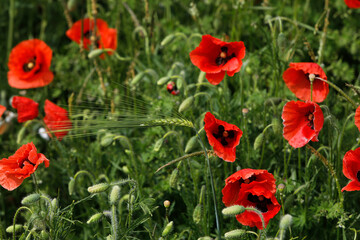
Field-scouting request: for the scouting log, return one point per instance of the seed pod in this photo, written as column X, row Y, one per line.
column 191, row 144
column 233, row 210
column 10, row 229
column 174, row 177
column 238, row 233
column 258, row 141
column 167, row 229
column 186, row 104
column 71, row 186
column 197, row 213
column 30, row 199
column 95, row 53
column 95, row 218
column 114, row 195
column 285, row 221
column 98, row 188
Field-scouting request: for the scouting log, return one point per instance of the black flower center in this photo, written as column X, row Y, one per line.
column 223, row 57
column 310, row 118
column 247, row 181
column 27, row 67
column 224, row 136
column 260, row 202
column 358, row 176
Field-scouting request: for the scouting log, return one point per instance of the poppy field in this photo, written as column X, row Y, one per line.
column 176, row 119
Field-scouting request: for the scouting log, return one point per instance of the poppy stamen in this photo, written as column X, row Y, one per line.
column 358, row 176
column 225, row 134
column 260, row 202
column 310, row 118
column 27, row 67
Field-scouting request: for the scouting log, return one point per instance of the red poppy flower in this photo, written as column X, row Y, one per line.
column 106, row 37
column 302, row 122
column 29, row 64
column 56, row 119
column 19, row 166
column 172, row 88
column 357, row 118
column 296, row 78
column 222, row 136
column 216, row 58
column 27, row 108
column 352, row 3
column 351, row 170
column 256, row 195
column 234, row 183
column 2, row 110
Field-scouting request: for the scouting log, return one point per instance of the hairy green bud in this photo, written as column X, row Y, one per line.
column 258, row 141
column 233, row 210
column 191, row 144
column 285, row 221
column 114, row 195
column 174, row 177
column 197, row 213
column 107, row 140
column 205, row 238
column 95, row 53
column 168, row 228
column 71, row 186
column 30, row 199
column 95, row 218
column 186, row 104
column 18, row 227
column 238, row 233
column 167, row 39
column 98, row 188
column 276, row 126
column 44, row 235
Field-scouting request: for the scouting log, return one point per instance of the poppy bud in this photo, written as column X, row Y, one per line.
column 191, row 144
column 114, row 195
column 137, row 78
column 163, row 80
column 174, row 177
column 233, row 210
column 245, row 111
column 285, row 221
column 167, row 229
column 187, row 103
column 205, row 238
column 30, row 199
column 234, row 234
column 281, row 40
column 276, row 126
column 95, row 218
column 95, row 53
column 167, row 203
column 167, row 39
column 158, row 144
column 281, row 187
column 197, row 213
column 71, row 186
column 54, row 203
column 258, row 141
column 107, row 140
column 10, row 229
column 98, row 188
column 44, row 234
column 71, row 4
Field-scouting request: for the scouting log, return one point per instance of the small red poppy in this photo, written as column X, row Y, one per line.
column 256, row 195
column 2, row 110
column 222, row 136
column 234, row 183
column 216, row 58
column 29, row 64
column 302, row 122
column 296, row 78
column 357, row 118
column 56, row 119
column 351, row 170
column 27, row 108
column 106, row 37
column 172, row 88
column 352, row 3
column 22, row 164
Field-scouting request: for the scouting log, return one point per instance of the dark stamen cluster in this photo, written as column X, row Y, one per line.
column 261, row 202
column 223, row 58
column 224, row 136
column 310, row 118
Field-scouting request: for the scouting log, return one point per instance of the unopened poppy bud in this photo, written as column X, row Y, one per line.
column 98, row 188
column 190, row 145
column 186, row 104
column 167, row 229
column 10, row 229
column 281, row 187
column 276, row 126
column 95, row 53
column 95, row 218
column 30, row 199
column 281, row 40
column 233, row 210
column 237, row 233
column 107, row 140
column 54, row 203
column 158, row 144
column 197, row 213
column 285, row 221
column 205, row 238
column 167, row 39
column 109, row 237
column 71, row 186
column 312, row 77
column 114, row 195
column 258, row 141
column 245, row 111
column 167, row 203
column 174, row 177
column 163, row 80
column 71, row 4
column 44, row 234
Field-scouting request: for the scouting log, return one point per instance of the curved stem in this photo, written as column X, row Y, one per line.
column 14, row 221
column 340, row 91
column 259, row 213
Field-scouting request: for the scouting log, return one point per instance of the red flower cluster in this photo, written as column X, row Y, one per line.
column 27, row 108
column 252, row 188
column 82, row 30
column 351, row 170
column 297, row 80
column 29, row 64
column 56, row 119
column 302, row 122
column 222, row 136
column 216, row 58
column 22, row 164
column 352, row 3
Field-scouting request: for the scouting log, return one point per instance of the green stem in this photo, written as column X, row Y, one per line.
column 340, row 91
column 311, row 90
column 212, row 185
column 11, row 25
column 14, row 221
column 114, row 224
column 259, row 213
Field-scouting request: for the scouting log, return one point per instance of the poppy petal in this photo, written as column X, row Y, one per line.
column 215, row 78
